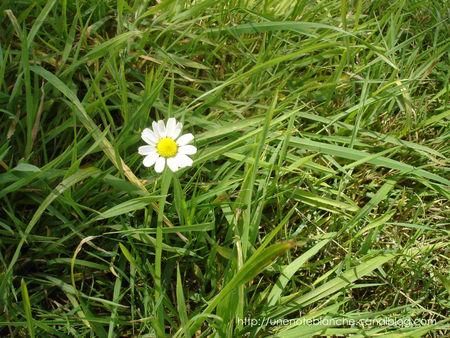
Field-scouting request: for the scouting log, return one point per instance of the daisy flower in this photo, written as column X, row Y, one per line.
column 166, row 147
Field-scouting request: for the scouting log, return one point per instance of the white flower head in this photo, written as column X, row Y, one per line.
column 165, row 147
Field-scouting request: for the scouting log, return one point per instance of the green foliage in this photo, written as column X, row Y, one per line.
column 319, row 191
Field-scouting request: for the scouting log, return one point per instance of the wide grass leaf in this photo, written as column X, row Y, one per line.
column 247, row 272
column 334, row 285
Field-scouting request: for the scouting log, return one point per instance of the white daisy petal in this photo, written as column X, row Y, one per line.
column 155, row 130
column 161, row 129
column 150, row 159
column 146, row 150
column 148, row 136
column 177, row 130
column 183, row 161
column 187, row 149
column 174, row 156
column 172, row 164
column 159, row 165
column 185, row 139
column 171, row 127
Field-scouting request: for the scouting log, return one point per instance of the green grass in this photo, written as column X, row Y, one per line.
column 320, row 190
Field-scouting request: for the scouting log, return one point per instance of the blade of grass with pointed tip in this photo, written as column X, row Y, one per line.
column 353, row 154
column 249, row 270
column 374, row 201
column 27, row 305
column 127, row 254
column 334, row 285
column 179, row 228
column 248, row 186
column 128, row 206
column 40, row 20
column 181, row 303
column 376, row 135
column 116, row 298
column 206, row 155
column 287, row 273
column 322, row 202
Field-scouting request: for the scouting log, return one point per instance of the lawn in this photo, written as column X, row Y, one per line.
column 317, row 201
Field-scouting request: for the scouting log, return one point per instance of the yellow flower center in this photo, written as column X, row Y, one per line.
column 166, row 147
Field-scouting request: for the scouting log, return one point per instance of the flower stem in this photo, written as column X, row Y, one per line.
column 165, row 184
